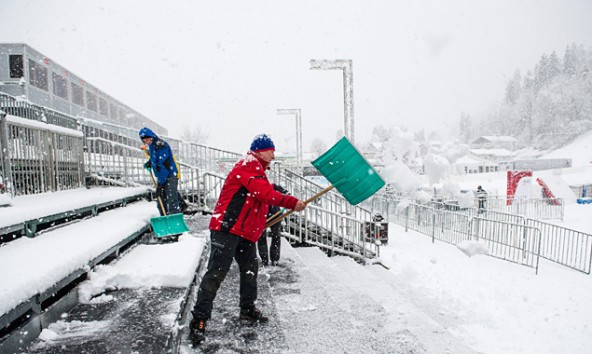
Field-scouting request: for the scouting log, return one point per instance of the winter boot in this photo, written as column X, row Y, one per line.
column 197, row 330
column 253, row 315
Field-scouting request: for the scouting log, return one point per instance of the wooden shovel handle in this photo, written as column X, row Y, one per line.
column 158, row 196
column 274, row 219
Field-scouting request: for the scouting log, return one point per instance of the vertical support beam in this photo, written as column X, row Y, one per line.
column 4, row 146
column 297, row 113
column 348, row 98
column 346, row 65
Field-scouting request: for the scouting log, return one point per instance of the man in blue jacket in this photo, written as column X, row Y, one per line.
column 164, row 168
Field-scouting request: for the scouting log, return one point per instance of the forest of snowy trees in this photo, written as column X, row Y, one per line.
column 544, row 108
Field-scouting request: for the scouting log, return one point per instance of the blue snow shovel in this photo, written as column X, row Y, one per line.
column 348, row 171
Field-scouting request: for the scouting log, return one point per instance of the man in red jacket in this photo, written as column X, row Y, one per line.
column 237, row 223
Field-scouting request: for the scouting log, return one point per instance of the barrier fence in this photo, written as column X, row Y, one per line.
column 509, row 237
column 516, row 243
column 37, row 158
column 564, row 246
column 42, row 150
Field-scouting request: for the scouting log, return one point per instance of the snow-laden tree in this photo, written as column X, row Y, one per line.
column 194, row 134
column 550, row 105
column 395, row 144
column 513, row 88
column 397, row 150
column 436, row 167
column 452, row 151
column 465, row 128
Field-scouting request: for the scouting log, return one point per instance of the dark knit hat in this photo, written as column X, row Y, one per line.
column 262, row 142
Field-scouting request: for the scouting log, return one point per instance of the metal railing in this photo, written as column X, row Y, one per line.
column 564, row 246
column 516, row 243
column 333, row 232
column 304, row 189
column 212, row 187
column 109, row 160
column 189, row 184
column 510, row 237
column 534, row 208
column 25, row 109
column 328, row 222
column 38, row 159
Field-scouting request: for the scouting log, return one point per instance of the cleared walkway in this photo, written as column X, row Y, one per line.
column 318, row 304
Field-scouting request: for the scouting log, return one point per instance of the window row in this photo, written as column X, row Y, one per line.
column 38, row 77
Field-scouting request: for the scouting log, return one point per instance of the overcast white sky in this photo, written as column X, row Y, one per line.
column 228, row 65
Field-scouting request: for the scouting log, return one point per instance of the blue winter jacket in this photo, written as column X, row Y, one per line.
column 161, row 157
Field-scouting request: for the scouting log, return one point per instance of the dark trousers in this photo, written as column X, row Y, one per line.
column 276, row 242
column 169, row 196
column 225, row 247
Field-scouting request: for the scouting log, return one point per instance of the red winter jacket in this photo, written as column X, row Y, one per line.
column 242, row 206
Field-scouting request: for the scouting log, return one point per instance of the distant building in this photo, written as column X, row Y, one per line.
column 30, row 75
column 473, row 164
column 495, row 142
column 496, row 155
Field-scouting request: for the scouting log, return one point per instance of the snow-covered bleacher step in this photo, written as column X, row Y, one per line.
column 25, row 213
column 131, row 305
column 36, row 268
column 359, row 299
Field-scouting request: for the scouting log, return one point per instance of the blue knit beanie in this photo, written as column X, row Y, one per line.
column 262, row 142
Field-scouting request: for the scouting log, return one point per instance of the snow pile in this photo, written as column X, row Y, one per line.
column 400, row 177
column 63, row 330
column 471, row 248
column 5, row 199
column 466, row 200
column 147, row 266
column 528, row 188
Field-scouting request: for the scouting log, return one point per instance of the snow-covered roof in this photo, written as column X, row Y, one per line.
column 469, row 160
column 496, row 139
column 492, row 152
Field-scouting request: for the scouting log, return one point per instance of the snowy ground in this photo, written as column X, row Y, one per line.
column 493, row 305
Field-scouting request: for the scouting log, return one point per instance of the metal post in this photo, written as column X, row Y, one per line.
column 4, row 146
column 346, row 65
column 407, row 218
column 296, row 112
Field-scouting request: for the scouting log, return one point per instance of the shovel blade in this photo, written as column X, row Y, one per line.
column 349, row 172
column 168, row 225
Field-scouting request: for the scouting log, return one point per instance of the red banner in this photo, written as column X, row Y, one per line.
column 547, row 192
column 513, row 178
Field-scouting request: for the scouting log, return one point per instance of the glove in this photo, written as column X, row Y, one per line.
column 148, row 165
column 280, row 189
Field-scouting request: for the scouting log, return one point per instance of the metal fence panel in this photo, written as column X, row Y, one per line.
column 512, row 242
column 451, row 227
column 43, row 160
column 565, row 246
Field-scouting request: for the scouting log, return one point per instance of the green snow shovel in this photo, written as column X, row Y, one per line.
column 348, row 172
column 167, row 225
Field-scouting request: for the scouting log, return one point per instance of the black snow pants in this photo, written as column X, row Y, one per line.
column 276, row 241
column 224, row 247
